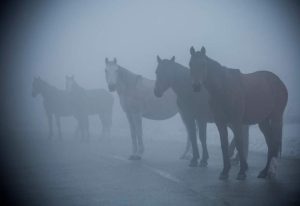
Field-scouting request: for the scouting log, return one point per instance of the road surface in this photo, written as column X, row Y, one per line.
column 37, row 171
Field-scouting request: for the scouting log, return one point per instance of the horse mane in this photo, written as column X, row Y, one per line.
column 48, row 86
column 128, row 78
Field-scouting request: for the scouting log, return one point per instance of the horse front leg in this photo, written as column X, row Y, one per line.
column 239, row 141
column 133, row 156
column 187, row 149
column 50, row 125
column 139, row 134
column 222, row 128
column 191, row 129
column 58, row 125
column 202, row 137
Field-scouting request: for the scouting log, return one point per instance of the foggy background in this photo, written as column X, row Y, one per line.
column 52, row 39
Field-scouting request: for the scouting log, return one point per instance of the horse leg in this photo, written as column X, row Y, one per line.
column 222, row 128
column 133, row 136
column 265, row 128
column 57, row 119
column 187, row 149
column 191, row 130
column 139, row 134
column 276, row 143
column 231, row 148
column 245, row 133
column 50, row 125
column 87, row 127
column 239, row 141
column 202, row 137
column 106, row 125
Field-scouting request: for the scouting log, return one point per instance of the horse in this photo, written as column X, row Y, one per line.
column 236, row 98
column 138, row 101
column 193, row 107
column 56, row 103
column 91, row 102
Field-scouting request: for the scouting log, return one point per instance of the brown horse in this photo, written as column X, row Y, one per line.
column 237, row 99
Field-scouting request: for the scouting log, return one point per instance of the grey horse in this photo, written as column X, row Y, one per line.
column 56, row 103
column 193, row 107
column 91, row 102
column 137, row 101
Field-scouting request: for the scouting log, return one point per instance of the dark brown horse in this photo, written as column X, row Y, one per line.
column 237, row 99
column 193, row 107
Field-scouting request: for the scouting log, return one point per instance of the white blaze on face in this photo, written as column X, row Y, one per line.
column 111, row 74
column 69, row 83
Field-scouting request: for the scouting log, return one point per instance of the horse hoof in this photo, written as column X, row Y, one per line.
column 193, row 163
column 134, row 157
column 182, row 157
column 241, row 176
column 203, row 164
column 262, row 174
column 223, row 176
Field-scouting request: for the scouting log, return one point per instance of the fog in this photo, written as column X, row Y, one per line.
column 55, row 39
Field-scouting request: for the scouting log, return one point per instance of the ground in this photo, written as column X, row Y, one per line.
column 38, row 171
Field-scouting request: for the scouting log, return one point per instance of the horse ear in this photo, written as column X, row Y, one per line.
column 115, row 60
column 203, row 50
column 106, row 60
column 173, row 59
column 158, row 59
column 192, row 51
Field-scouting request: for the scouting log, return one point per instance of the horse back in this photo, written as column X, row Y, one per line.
column 153, row 107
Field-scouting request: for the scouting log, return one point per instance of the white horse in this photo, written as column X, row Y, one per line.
column 137, row 100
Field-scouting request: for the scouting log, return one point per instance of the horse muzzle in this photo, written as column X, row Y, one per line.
column 157, row 93
column 196, row 87
column 112, row 87
column 33, row 94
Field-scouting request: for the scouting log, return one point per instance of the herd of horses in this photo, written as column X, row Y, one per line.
column 206, row 92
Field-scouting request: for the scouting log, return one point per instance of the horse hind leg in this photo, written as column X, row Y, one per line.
column 276, row 144
column 50, row 125
column 265, row 128
column 239, row 140
column 202, row 137
column 106, row 125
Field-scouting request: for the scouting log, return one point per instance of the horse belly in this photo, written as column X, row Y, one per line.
column 160, row 108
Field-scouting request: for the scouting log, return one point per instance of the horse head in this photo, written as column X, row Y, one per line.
column 70, row 82
column 36, row 86
column 111, row 74
column 198, row 68
column 164, row 75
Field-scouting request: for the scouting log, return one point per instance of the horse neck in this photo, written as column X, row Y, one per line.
column 214, row 82
column 48, row 91
column 127, row 80
column 180, row 79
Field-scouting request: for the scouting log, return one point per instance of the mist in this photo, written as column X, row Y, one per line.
column 54, row 39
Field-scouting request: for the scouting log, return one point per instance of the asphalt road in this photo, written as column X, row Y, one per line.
column 37, row 171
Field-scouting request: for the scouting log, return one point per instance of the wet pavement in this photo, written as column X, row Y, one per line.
column 37, row 171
